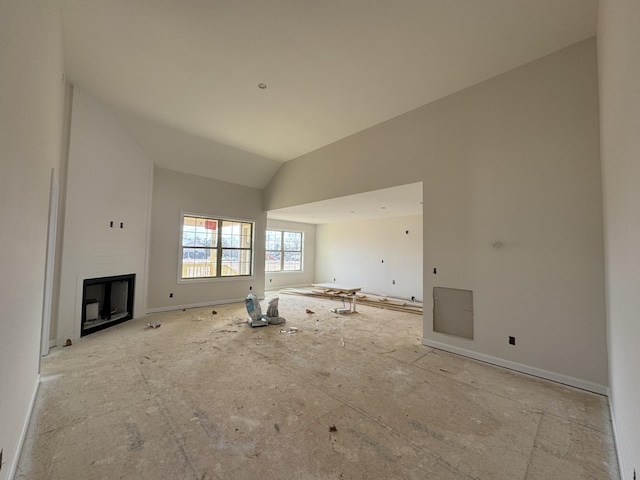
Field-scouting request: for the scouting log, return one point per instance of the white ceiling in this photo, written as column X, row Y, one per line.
column 398, row 201
column 182, row 75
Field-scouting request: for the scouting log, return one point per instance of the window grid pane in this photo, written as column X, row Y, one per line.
column 292, row 261
column 292, row 241
column 199, row 232
column 198, row 262
column 273, row 240
column 236, row 262
column 273, row 261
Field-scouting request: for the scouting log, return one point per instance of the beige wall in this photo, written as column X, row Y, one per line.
column 109, row 179
column 275, row 280
column 175, row 192
column 372, row 254
column 513, row 160
column 31, row 106
column 619, row 62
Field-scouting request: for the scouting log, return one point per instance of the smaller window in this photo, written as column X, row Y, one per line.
column 283, row 252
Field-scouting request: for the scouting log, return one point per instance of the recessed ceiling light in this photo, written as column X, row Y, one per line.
column 262, row 86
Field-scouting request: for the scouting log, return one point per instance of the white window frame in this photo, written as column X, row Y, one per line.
column 218, row 248
column 282, row 252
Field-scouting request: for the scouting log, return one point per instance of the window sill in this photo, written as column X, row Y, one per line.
column 216, row 279
column 289, row 272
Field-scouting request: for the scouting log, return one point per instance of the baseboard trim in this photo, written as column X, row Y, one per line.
column 615, row 440
column 171, row 308
column 519, row 367
column 283, row 287
column 23, row 433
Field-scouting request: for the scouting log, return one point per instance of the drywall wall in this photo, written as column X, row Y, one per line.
column 175, row 192
column 31, row 102
column 275, row 280
column 377, row 255
column 619, row 62
column 109, row 179
column 513, row 161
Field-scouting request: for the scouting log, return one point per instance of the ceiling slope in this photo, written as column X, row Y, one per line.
column 176, row 149
column 332, row 68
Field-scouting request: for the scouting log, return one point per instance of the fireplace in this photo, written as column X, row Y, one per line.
column 106, row 301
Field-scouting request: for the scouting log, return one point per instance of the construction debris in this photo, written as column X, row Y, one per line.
column 68, row 343
column 340, row 310
column 309, row 311
column 290, row 330
column 368, row 299
column 154, row 325
column 256, row 317
column 273, row 317
column 259, row 319
column 272, row 309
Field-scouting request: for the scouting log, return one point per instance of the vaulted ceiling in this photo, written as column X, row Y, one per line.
column 182, row 75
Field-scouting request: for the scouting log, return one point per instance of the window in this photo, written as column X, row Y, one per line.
column 214, row 247
column 283, row 251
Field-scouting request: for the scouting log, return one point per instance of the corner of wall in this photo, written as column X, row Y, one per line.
column 23, row 433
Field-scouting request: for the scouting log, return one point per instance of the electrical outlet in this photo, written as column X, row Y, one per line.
column 250, row 288
column 171, row 295
column 512, row 340
column 413, row 299
column 393, row 282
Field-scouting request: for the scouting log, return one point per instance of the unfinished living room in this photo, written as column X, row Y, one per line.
column 334, row 240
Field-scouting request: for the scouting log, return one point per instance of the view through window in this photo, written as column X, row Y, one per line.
column 283, row 251
column 214, row 247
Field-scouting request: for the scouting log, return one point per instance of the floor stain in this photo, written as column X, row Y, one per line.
column 136, row 442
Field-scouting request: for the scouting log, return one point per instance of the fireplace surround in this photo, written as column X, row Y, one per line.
column 106, row 301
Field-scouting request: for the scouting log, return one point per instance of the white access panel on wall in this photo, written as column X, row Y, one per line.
column 453, row 312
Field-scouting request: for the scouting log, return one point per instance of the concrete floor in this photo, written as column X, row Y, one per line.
column 347, row 397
